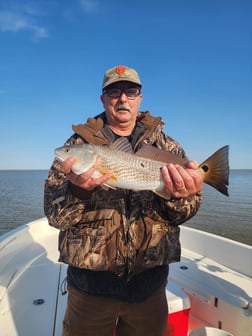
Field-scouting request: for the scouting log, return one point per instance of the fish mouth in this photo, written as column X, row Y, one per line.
column 121, row 107
column 59, row 156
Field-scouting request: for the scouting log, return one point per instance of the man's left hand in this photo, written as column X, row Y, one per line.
column 182, row 182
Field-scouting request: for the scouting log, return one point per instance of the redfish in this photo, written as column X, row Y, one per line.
column 141, row 170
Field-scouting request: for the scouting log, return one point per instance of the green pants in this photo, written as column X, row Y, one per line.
column 90, row 315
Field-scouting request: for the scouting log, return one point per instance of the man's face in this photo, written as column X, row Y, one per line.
column 121, row 106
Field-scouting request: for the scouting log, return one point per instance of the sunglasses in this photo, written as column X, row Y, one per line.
column 113, row 92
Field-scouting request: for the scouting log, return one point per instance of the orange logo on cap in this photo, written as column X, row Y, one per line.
column 120, row 69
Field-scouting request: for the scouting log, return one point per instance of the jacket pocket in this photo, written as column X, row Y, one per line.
column 96, row 242
column 157, row 242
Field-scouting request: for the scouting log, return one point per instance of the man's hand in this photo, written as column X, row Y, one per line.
column 182, row 182
column 85, row 180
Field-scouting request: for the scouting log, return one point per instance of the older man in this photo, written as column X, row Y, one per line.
column 118, row 264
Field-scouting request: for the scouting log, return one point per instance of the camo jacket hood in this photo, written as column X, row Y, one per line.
column 122, row 231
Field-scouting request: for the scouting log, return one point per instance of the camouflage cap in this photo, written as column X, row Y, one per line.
column 120, row 73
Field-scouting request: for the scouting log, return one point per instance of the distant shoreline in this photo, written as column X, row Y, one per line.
column 20, row 170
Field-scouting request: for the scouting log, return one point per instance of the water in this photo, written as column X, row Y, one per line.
column 21, row 201
column 231, row 216
column 21, row 197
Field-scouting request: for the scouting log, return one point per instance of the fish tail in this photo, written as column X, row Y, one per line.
column 215, row 170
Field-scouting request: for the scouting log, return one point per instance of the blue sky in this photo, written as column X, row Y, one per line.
column 194, row 58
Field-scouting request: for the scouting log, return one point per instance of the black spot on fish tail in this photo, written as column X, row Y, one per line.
column 205, row 168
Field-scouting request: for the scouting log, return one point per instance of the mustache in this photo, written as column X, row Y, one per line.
column 122, row 107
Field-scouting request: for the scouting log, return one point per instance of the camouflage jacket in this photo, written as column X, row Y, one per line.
column 116, row 230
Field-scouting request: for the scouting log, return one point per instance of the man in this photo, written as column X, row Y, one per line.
column 119, row 243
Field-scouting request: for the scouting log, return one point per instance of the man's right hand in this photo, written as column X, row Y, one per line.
column 85, row 180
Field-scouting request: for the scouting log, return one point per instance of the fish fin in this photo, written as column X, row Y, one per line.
column 162, row 193
column 103, row 171
column 161, row 155
column 106, row 186
column 215, row 170
column 122, row 144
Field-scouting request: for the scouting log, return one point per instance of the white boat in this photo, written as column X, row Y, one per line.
column 209, row 291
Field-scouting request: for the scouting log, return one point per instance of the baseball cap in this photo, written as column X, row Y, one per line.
column 120, row 73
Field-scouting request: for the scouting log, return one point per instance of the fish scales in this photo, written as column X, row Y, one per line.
column 130, row 171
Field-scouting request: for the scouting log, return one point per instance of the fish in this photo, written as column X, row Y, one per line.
column 141, row 170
